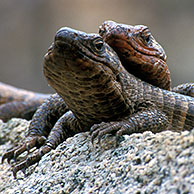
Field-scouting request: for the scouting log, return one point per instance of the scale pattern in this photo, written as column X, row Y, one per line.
column 95, row 93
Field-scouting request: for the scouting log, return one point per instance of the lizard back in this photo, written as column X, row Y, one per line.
column 178, row 108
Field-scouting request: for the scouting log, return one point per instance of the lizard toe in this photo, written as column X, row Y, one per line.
column 32, row 142
column 99, row 130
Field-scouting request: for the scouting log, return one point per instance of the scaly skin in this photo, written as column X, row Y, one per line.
column 141, row 55
column 139, row 52
column 185, row 89
column 97, row 94
column 19, row 103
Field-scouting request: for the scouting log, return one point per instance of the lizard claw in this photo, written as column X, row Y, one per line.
column 99, row 130
column 21, row 166
column 30, row 143
column 95, row 131
column 11, row 154
column 94, row 134
column 24, row 165
column 30, row 160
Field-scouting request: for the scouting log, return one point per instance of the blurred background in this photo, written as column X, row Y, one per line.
column 27, row 28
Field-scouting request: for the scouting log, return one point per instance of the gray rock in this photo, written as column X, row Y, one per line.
column 142, row 163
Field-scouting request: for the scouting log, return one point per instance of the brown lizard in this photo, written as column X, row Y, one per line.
column 141, row 54
column 138, row 52
column 95, row 93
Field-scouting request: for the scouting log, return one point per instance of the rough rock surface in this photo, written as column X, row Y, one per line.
column 142, row 163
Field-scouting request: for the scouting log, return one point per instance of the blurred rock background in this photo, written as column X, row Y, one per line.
column 27, row 28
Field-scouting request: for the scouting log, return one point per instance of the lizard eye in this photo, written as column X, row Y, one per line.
column 99, row 45
column 146, row 36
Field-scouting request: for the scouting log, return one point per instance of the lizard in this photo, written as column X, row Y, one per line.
column 95, row 93
column 15, row 102
column 138, row 51
column 141, row 54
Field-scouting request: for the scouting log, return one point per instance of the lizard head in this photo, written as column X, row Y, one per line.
column 84, row 71
column 138, row 51
column 125, row 36
column 75, row 56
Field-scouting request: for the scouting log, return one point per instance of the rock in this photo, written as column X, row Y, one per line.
column 141, row 163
